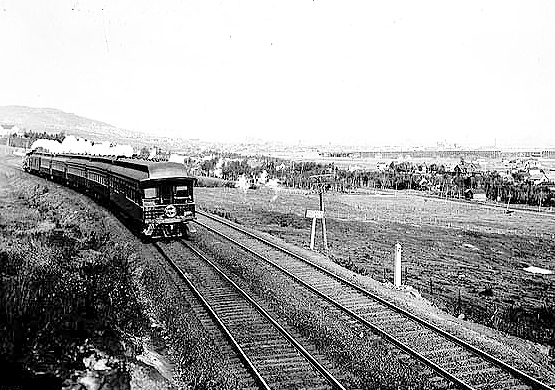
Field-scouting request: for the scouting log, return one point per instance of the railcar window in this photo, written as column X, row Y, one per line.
column 181, row 191
column 150, row 192
column 166, row 193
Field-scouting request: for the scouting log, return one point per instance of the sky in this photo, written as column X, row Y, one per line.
column 399, row 72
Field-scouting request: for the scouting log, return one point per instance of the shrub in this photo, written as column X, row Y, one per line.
column 52, row 300
column 203, row 181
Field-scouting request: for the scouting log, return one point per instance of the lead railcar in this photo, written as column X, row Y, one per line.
column 156, row 197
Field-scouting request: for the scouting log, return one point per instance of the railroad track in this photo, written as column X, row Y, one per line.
column 459, row 362
column 273, row 356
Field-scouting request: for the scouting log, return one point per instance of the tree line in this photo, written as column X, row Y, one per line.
column 26, row 139
column 433, row 178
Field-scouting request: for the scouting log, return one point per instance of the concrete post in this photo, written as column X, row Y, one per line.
column 312, row 233
column 397, row 278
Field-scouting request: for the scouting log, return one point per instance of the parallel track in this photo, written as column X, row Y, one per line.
column 457, row 361
column 272, row 355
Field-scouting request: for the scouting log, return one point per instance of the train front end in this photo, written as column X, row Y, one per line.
column 168, row 207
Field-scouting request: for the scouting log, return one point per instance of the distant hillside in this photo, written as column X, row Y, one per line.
column 56, row 121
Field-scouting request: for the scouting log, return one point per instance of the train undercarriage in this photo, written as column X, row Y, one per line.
column 166, row 229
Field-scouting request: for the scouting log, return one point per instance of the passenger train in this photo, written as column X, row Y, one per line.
column 156, row 197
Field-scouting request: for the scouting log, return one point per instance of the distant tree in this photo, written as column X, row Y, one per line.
column 209, row 165
column 145, row 152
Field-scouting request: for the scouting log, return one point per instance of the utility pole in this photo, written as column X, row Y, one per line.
column 321, row 181
column 324, row 233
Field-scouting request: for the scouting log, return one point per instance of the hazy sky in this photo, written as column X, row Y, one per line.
column 376, row 72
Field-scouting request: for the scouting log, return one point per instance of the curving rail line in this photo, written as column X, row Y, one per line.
column 456, row 360
column 272, row 355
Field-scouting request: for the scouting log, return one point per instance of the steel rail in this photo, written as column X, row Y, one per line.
column 329, row 377
column 216, row 318
column 447, row 375
column 513, row 370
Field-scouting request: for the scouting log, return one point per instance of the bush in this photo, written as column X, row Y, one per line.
column 203, row 181
column 52, row 300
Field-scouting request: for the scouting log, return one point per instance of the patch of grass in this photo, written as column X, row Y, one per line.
column 63, row 281
column 53, row 303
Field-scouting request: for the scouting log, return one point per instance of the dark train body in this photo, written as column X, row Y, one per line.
column 156, row 197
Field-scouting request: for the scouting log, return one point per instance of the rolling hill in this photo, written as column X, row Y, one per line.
column 51, row 120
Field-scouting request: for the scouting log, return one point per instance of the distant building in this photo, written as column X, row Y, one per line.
column 507, row 177
column 8, row 129
column 551, row 176
column 382, row 166
column 535, row 171
column 537, row 177
column 442, row 151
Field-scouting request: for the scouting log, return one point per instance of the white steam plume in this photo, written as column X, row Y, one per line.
column 274, row 185
column 71, row 144
column 242, row 183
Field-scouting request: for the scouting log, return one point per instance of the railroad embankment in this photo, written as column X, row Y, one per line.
column 82, row 305
column 68, row 300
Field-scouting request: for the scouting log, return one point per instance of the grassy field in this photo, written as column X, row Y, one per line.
column 465, row 258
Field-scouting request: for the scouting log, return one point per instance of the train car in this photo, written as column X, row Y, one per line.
column 167, row 197
column 59, row 169
column 44, row 166
column 76, row 173
column 156, row 197
column 31, row 163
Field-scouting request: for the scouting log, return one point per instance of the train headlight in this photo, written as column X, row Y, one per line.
column 170, row 211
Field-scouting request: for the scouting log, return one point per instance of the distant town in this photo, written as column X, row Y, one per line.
column 522, row 176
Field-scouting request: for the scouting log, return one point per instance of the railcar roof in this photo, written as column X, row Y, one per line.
column 140, row 170
column 61, row 158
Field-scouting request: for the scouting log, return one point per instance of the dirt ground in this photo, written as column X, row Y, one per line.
column 465, row 258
